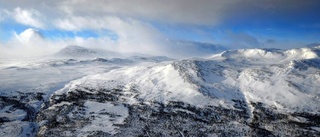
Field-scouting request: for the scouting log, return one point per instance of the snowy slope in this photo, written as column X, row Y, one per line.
column 247, row 82
column 278, row 81
column 283, row 78
column 247, row 92
column 26, row 84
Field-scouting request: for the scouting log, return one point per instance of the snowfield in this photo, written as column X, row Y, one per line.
column 247, row 92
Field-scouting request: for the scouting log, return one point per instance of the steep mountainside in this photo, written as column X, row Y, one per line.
column 249, row 92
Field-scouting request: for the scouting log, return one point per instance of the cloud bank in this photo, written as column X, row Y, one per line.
column 28, row 17
column 200, row 12
column 142, row 25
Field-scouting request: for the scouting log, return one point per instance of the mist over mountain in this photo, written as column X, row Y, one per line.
column 195, row 49
column 76, row 51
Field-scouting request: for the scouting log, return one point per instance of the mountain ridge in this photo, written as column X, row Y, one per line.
column 249, row 92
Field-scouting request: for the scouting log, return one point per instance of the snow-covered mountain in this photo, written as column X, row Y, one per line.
column 247, row 92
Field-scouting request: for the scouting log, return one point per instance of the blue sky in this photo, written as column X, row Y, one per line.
column 155, row 25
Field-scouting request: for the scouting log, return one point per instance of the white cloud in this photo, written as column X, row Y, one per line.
column 129, row 20
column 194, row 12
column 29, row 17
column 30, row 43
column 133, row 35
column 169, row 11
column 30, row 35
